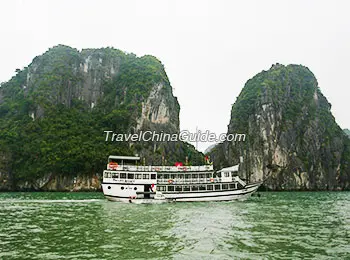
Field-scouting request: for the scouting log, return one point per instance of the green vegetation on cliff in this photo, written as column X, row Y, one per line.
column 292, row 137
column 54, row 112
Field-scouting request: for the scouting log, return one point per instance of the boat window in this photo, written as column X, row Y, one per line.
column 145, row 176
column 172, row 176
column 186, row 188
column 166, row 176
column 115, row 175
column 187, row 176
column 160, row 176
column 208, row 175
column 178, row 188
column 233, row 186
column 122, row 188
column 135, row 188
column 225, row 186
column 227, row 174
column 153, row 176
column 138, row 176
column 170, row 188
column 202, row 187
column 181, row 176
column 210, row 187
column 194, row 188
column 130, row 176
column 217, row 187
column 202, row 176
column 195, row 176
column 161, row 188
column 122, row 175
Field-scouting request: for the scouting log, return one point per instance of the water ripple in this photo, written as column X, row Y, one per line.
column 86, row 226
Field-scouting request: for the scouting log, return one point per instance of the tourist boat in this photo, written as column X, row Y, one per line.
column 127, row 181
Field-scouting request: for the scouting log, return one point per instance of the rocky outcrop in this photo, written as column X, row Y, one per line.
column 51, row 182
column 63, row 183
column 347, row 132
column 293, row 141
column 78, row 75
column 54, row 112
column 5, row 182
column 160, row 108
column 89, row 74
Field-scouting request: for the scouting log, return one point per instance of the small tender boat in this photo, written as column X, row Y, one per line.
column 127, row 181
column 157, row 199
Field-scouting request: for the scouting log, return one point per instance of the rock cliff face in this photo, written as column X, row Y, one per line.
column 52, row 182
column 347, row 132
column 54, row 112
column 292, row 140
column 86, row 76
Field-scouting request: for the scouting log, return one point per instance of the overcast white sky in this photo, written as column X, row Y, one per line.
column 209, row 48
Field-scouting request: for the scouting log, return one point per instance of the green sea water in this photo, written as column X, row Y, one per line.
column 284, row 225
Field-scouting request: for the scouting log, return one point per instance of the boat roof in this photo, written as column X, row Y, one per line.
column 233, row 168
column 116, row 157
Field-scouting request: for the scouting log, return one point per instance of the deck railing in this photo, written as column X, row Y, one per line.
column 188, row 181
column 139, row 168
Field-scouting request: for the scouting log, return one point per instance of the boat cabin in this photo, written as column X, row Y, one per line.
column 124, row 160
column 117, row 162
column 231, row 174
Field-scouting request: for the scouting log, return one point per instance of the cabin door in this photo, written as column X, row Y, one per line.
column 147, row 188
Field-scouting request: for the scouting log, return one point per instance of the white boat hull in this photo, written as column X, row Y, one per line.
column 125, row 182
column 213, row 196
column 228, row 195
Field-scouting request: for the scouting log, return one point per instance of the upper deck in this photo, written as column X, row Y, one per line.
column 131, row 163
column 140, row 168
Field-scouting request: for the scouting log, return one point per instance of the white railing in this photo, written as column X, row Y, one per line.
column 136, row 168
column 239, row 180
column 188, row 181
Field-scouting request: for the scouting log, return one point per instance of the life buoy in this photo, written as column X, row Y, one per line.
column 211, row 179
column 157, row 169
column 170, row 181
column 113, row 165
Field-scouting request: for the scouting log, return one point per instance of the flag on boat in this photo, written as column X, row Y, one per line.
column 207, row 160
